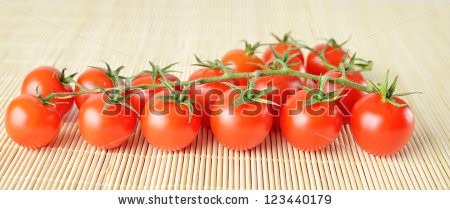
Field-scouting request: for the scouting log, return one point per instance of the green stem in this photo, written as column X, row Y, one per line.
column 227, row 76
column 341, row 81
column 65, row 95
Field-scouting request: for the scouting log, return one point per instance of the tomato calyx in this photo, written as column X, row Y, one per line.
column 355, row 64
column 286, row 39
column 333, row 43
column 335, row 46
column 214, row 65
column 179, row 97
column 318, row 95
column 116, row 96
column 358, row 64
column 282, row 60
column 114, row 75
column 387, row 92
column 250, row 49
column 156, row 71
column 250, row 94
column 62, row 77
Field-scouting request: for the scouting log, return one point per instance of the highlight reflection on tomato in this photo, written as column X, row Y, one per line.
column 30, row 123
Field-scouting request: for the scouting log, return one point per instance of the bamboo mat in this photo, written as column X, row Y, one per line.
column 409, row 38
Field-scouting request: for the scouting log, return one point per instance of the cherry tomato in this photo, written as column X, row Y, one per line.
column 88, row 79
column 48, row 80
column 280, row 49
column 381, row 128
column 333, row 55
column 242, row 62
column 352, row 95
column 165, row 125
column 240, row 127
column 309, row 127
column 107, row 129
column 207, row 94
column 31, row 123
column 141, row 97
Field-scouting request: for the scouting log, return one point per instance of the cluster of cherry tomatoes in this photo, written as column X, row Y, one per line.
column 239, row 111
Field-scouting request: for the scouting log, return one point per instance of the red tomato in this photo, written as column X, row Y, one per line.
column 309, row 127
column 280, row 49
column 87, row 79
column 30, row 123
column 381, row 128
column 352, row 95
column 47, row 79
column 333, row 55
column 141, row 97
column 285, row 86
column 207, row 94
column 109, row 129
column 242, row 62
column 240, row 127
column 166, row 125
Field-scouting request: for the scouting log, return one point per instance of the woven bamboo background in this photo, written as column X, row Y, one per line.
column 412, row 39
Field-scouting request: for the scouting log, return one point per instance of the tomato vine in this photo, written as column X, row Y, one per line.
column 272, row 84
